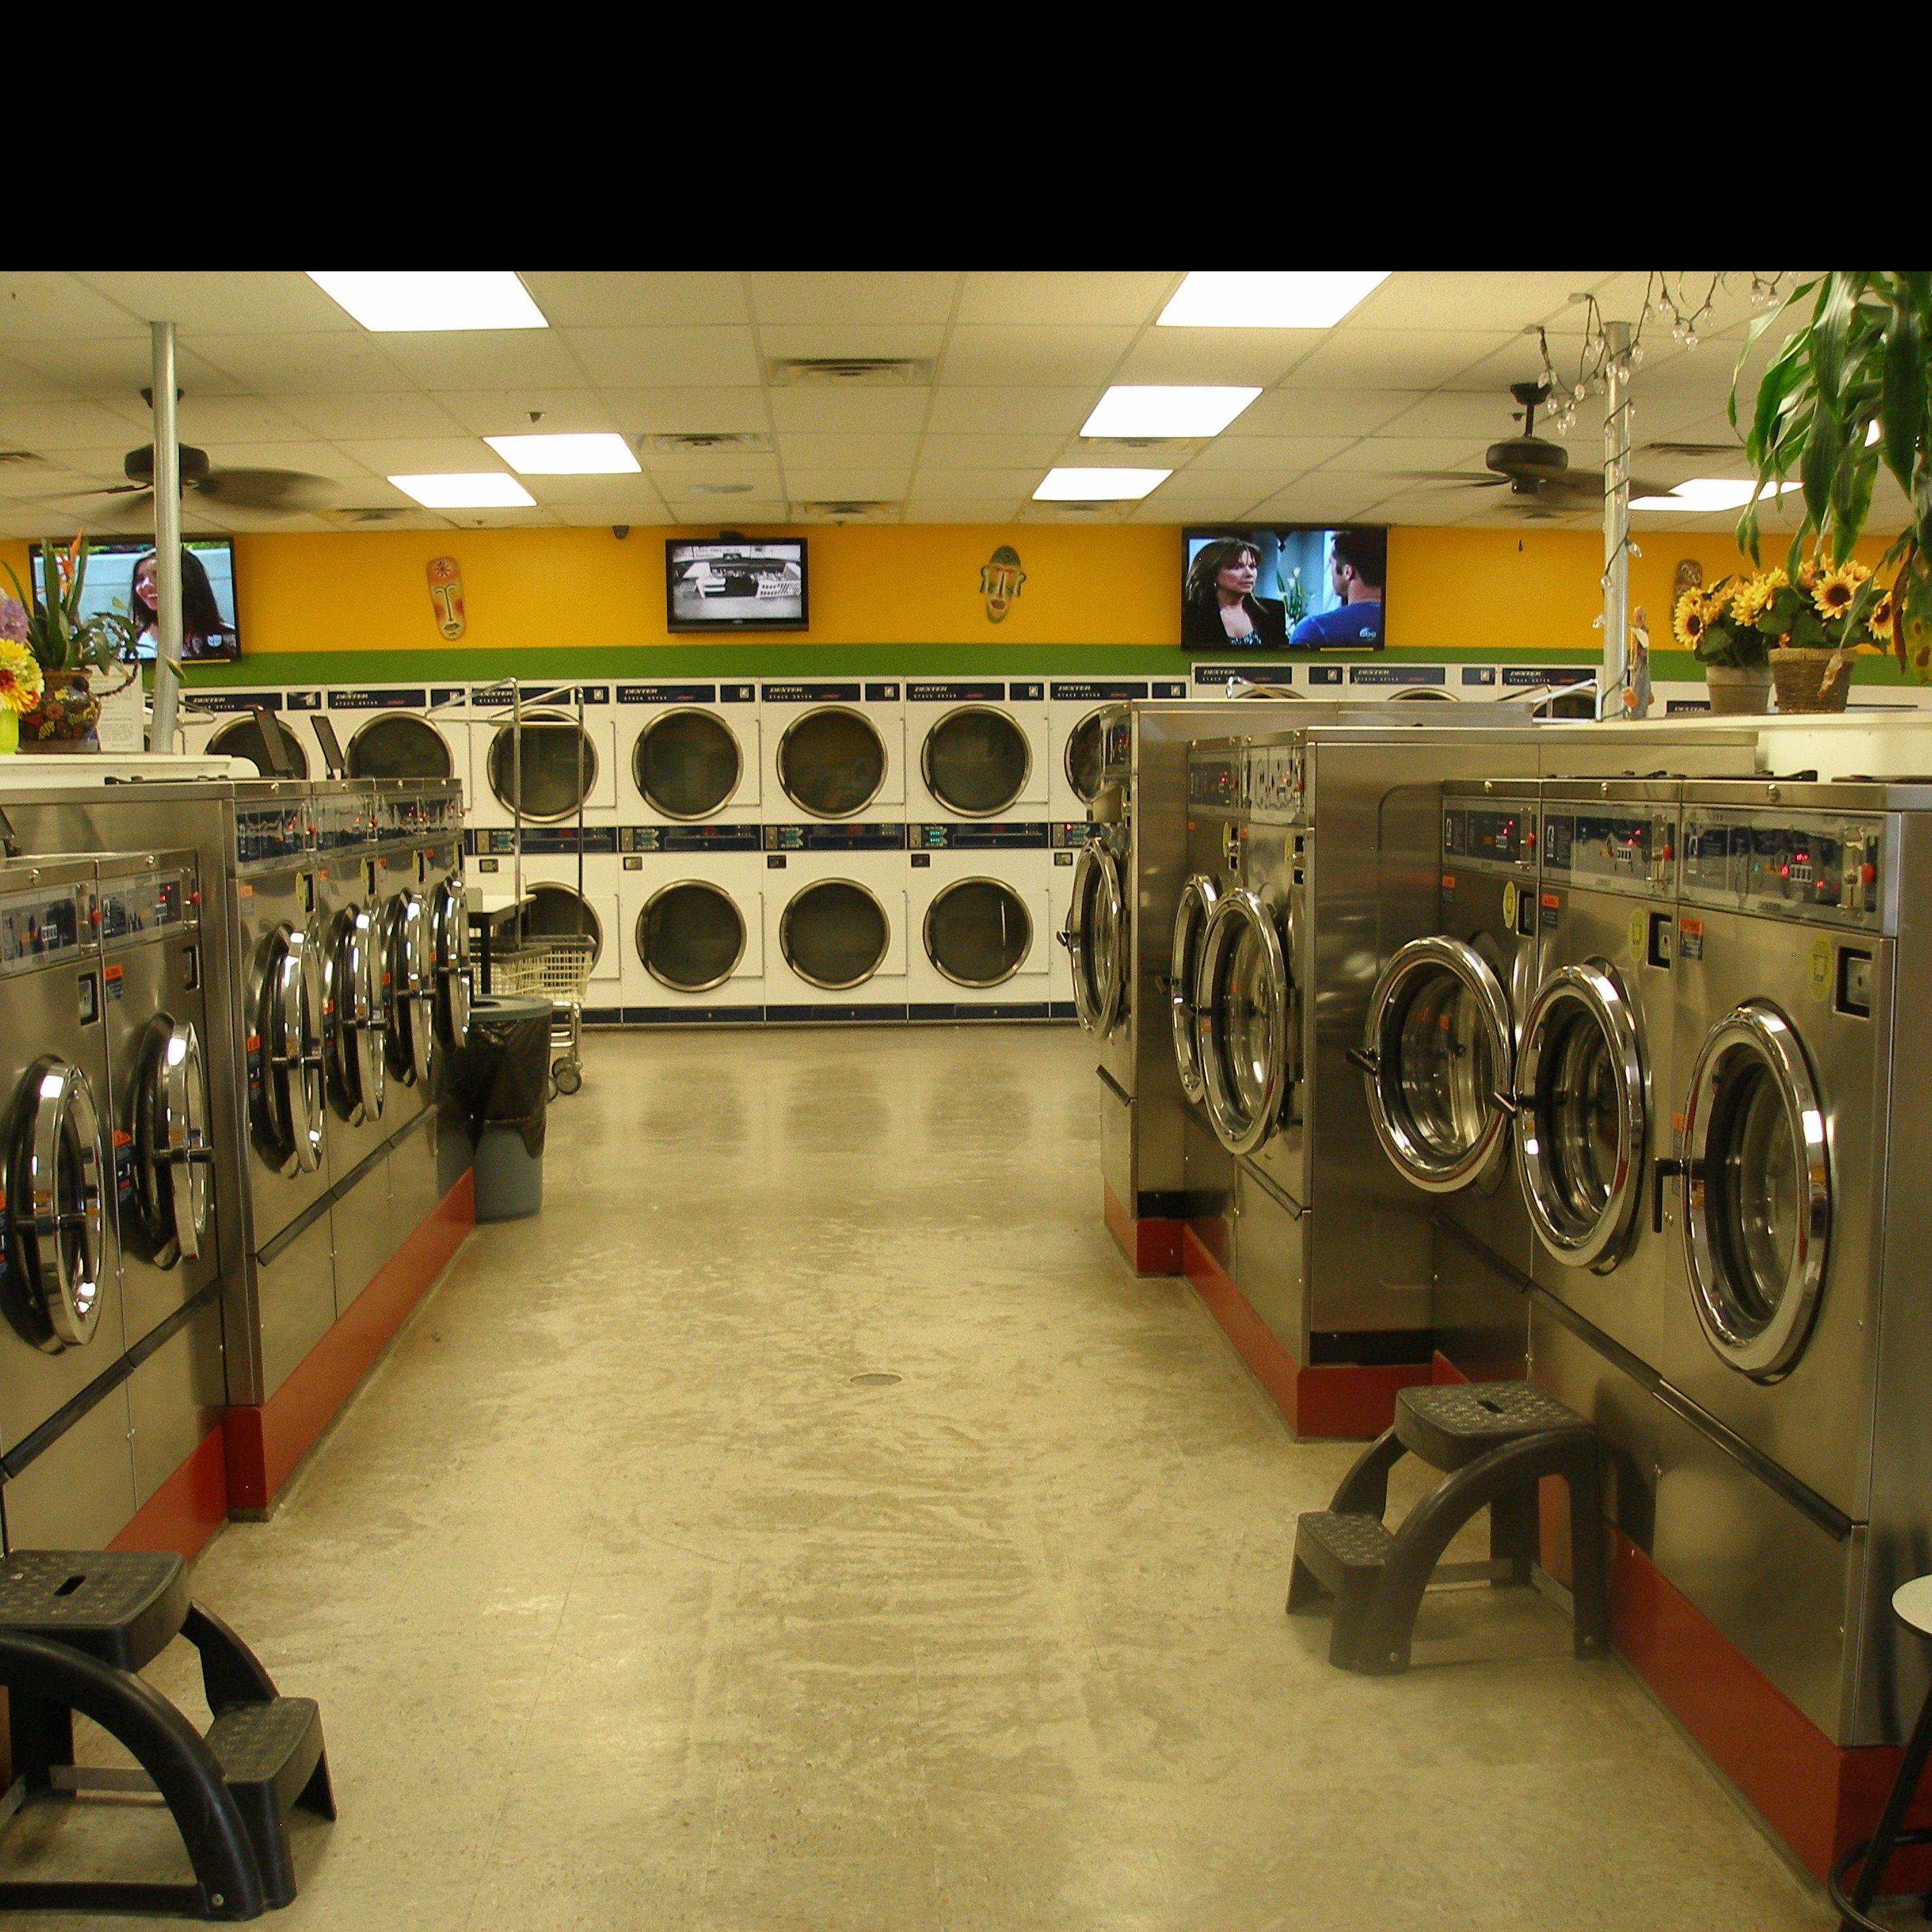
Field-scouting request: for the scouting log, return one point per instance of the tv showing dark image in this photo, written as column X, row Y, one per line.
column 121, row 576
column 732, row 584
column 1285, row 587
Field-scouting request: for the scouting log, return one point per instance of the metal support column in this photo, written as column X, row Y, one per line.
column 167, row 544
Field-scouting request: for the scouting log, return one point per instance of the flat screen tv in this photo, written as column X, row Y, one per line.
column 121, row 576
column 732, row 584
column 1281, row 587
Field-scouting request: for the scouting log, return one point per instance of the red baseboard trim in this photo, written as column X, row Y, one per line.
column 188, row 1508
column 1152, row 1246
column 1347, row 1400
column 1442, row 1370
column 265, row 1442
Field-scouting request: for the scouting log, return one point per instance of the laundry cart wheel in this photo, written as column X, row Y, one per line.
column 566, row 1076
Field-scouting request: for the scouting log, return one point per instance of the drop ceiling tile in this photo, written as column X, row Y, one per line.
column 716, row 356
column 306, row 364
column 1480, row 298
column 1029, row 411
column 637, row 298
column 851, row 339
column 610, row 493
column 50, row 306
column 1168, row 505
column 1241, row 486
column 834, row 412
column 1484, row 413
column 1290, row 455
column 406, row 412
column 989, row 510
column 1034, row 297
column 507, row 412
column 729, row 513
column 965, row 486
column 211, row 419
column 808, row 450
column 45, row 426
column 1035, row 356
column 1317, row 500
column 108, row 368
column 313, row 457
column 1346, row 412
column 1251, row 356
column 506, row 359
column 700, row 412
column 1398, row 358
column 989, row 452
column 855, row 298
column 272, row 302
column 723, row 465
column 1387, row 455
column 885, row 485
column 425, row 456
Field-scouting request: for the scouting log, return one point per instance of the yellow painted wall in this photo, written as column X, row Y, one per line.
column 1486, row 589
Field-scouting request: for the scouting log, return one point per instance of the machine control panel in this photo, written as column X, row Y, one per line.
column 981, row 836
column 37, row 926
column 689, row 838
column 835, row 837
column 1820, row 867
column 1214, row 781
column 1275, row 779
column 132, row 910
column 345, row 821
column 1630, row 850
column 1496, row 835
column 271, row 835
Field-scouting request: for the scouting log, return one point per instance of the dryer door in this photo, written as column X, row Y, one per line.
column 399, row 745
column 1580, row 1135
column 56, row 1209
column 977, row 761
column 1438, row 1052
column 1757, row 1219
column 1095, row 938
column 1247, row 1014
column 687, row 764
column 173, row 1152
column 1198, row 898
column 832, row 762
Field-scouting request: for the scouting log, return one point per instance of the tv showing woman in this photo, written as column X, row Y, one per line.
column 205, row 633
column 1218, row 607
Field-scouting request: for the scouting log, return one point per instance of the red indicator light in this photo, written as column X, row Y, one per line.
column 1867, row 873
column 1784, row 871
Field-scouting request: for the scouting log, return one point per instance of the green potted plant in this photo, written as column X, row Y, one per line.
column 1846, row 393
column 1734, row 652
column 70, row 648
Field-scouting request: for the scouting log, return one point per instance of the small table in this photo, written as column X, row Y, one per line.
column 488, row 912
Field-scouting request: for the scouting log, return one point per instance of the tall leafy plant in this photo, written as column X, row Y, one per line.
column 1858, row 360
column 60, row 637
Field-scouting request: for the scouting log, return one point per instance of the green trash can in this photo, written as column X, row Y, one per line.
column 504, row 1081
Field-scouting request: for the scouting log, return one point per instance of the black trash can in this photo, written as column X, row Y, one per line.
column 503, row 1081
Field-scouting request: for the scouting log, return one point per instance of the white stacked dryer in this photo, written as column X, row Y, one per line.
column 221, row 721
column 836, row 902
column 402, row 730
column 694, row 925
column 980, row 914
column 689, row 754
column 835, row 751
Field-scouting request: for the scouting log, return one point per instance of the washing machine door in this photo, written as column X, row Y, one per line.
column 1757, row 1218
column 551, row 775
column 1198, row 898
column 976, row 760
column 831, row 762
column 1247, row 1008
column 353, row 999
column 1581, row 1122
column 287, row 1106
column 1096, row 937
column 412, row 1036
column 174, row 1153
column 56, row 1208
column 449, row 942
column 1438, row 1052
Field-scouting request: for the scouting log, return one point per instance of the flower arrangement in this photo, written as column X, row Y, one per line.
column 21, row 684
column 1740, row 619
column 52, row 626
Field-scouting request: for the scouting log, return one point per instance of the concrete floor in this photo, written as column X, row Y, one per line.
column 629, row 1604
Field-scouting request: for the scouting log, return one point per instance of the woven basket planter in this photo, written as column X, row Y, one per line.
column 1811, row 680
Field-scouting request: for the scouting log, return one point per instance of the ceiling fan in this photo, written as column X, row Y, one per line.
column 289, row 492
column 1535, row 471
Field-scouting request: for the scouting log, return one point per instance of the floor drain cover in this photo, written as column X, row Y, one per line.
column 879, row 1378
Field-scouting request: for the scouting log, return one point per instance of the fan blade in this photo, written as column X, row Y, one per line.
column 289, row 490
column 1463, row 479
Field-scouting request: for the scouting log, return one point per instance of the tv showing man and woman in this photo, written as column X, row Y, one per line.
column 1276, row 589
column 122, row 575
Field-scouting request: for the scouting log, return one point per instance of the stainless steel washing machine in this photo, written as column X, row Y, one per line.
column 1795, row 1452
column 159, row 1119
column 69, row 1475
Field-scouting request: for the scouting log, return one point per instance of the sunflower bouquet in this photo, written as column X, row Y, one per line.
column 1821, row 617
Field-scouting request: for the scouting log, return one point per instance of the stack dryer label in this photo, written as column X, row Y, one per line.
column 1087, row 691
column 1394, row 674
column 377, row 700
column 1219, row 674
column 667, row 693
column 993, row 693
column 813, row 693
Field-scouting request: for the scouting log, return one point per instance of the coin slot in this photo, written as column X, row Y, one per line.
column 1656, row 950
column 1855, row 983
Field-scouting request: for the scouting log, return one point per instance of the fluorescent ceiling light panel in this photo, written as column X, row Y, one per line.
column 600, row 453
column 390, row 303
column 482, row 489
column 1289, row 299
column 1161, row 409
column 1098, row 486
column 1704, row 493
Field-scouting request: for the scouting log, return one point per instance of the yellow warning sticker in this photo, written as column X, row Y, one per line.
column 1510, row 897
column 1821, row 968
column 1637, row 929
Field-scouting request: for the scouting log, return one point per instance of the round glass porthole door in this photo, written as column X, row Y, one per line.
column 831, row 762
column 834, row 934
column 358, row 1016
column 56, row 1209
column 1438, row 1053
column 561, row 912
column 1757, row 1219
column 977, row 761
column 398, row 746
column 411, row 1034
column 1198, row 898
column 1084, row 746
column 287, row 1108
column 1095, row 937
column 1245, row 1014
column 1581, row 1126
column 687, row 764
column 690, row 936
column 449, row 942
column 242, row 738
column 978, row 932
column 173, row 1153
column 552, row 775
column 1421, row 693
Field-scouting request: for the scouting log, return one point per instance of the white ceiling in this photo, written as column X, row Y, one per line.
column 277, row 376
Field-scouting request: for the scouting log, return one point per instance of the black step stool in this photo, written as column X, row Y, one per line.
column 1496, row 1441
column 76, row 1626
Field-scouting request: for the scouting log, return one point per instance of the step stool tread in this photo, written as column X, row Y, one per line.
column 1449, row 1423
column 256, row 1743
column 120, row 1606
column 1352, row 1541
